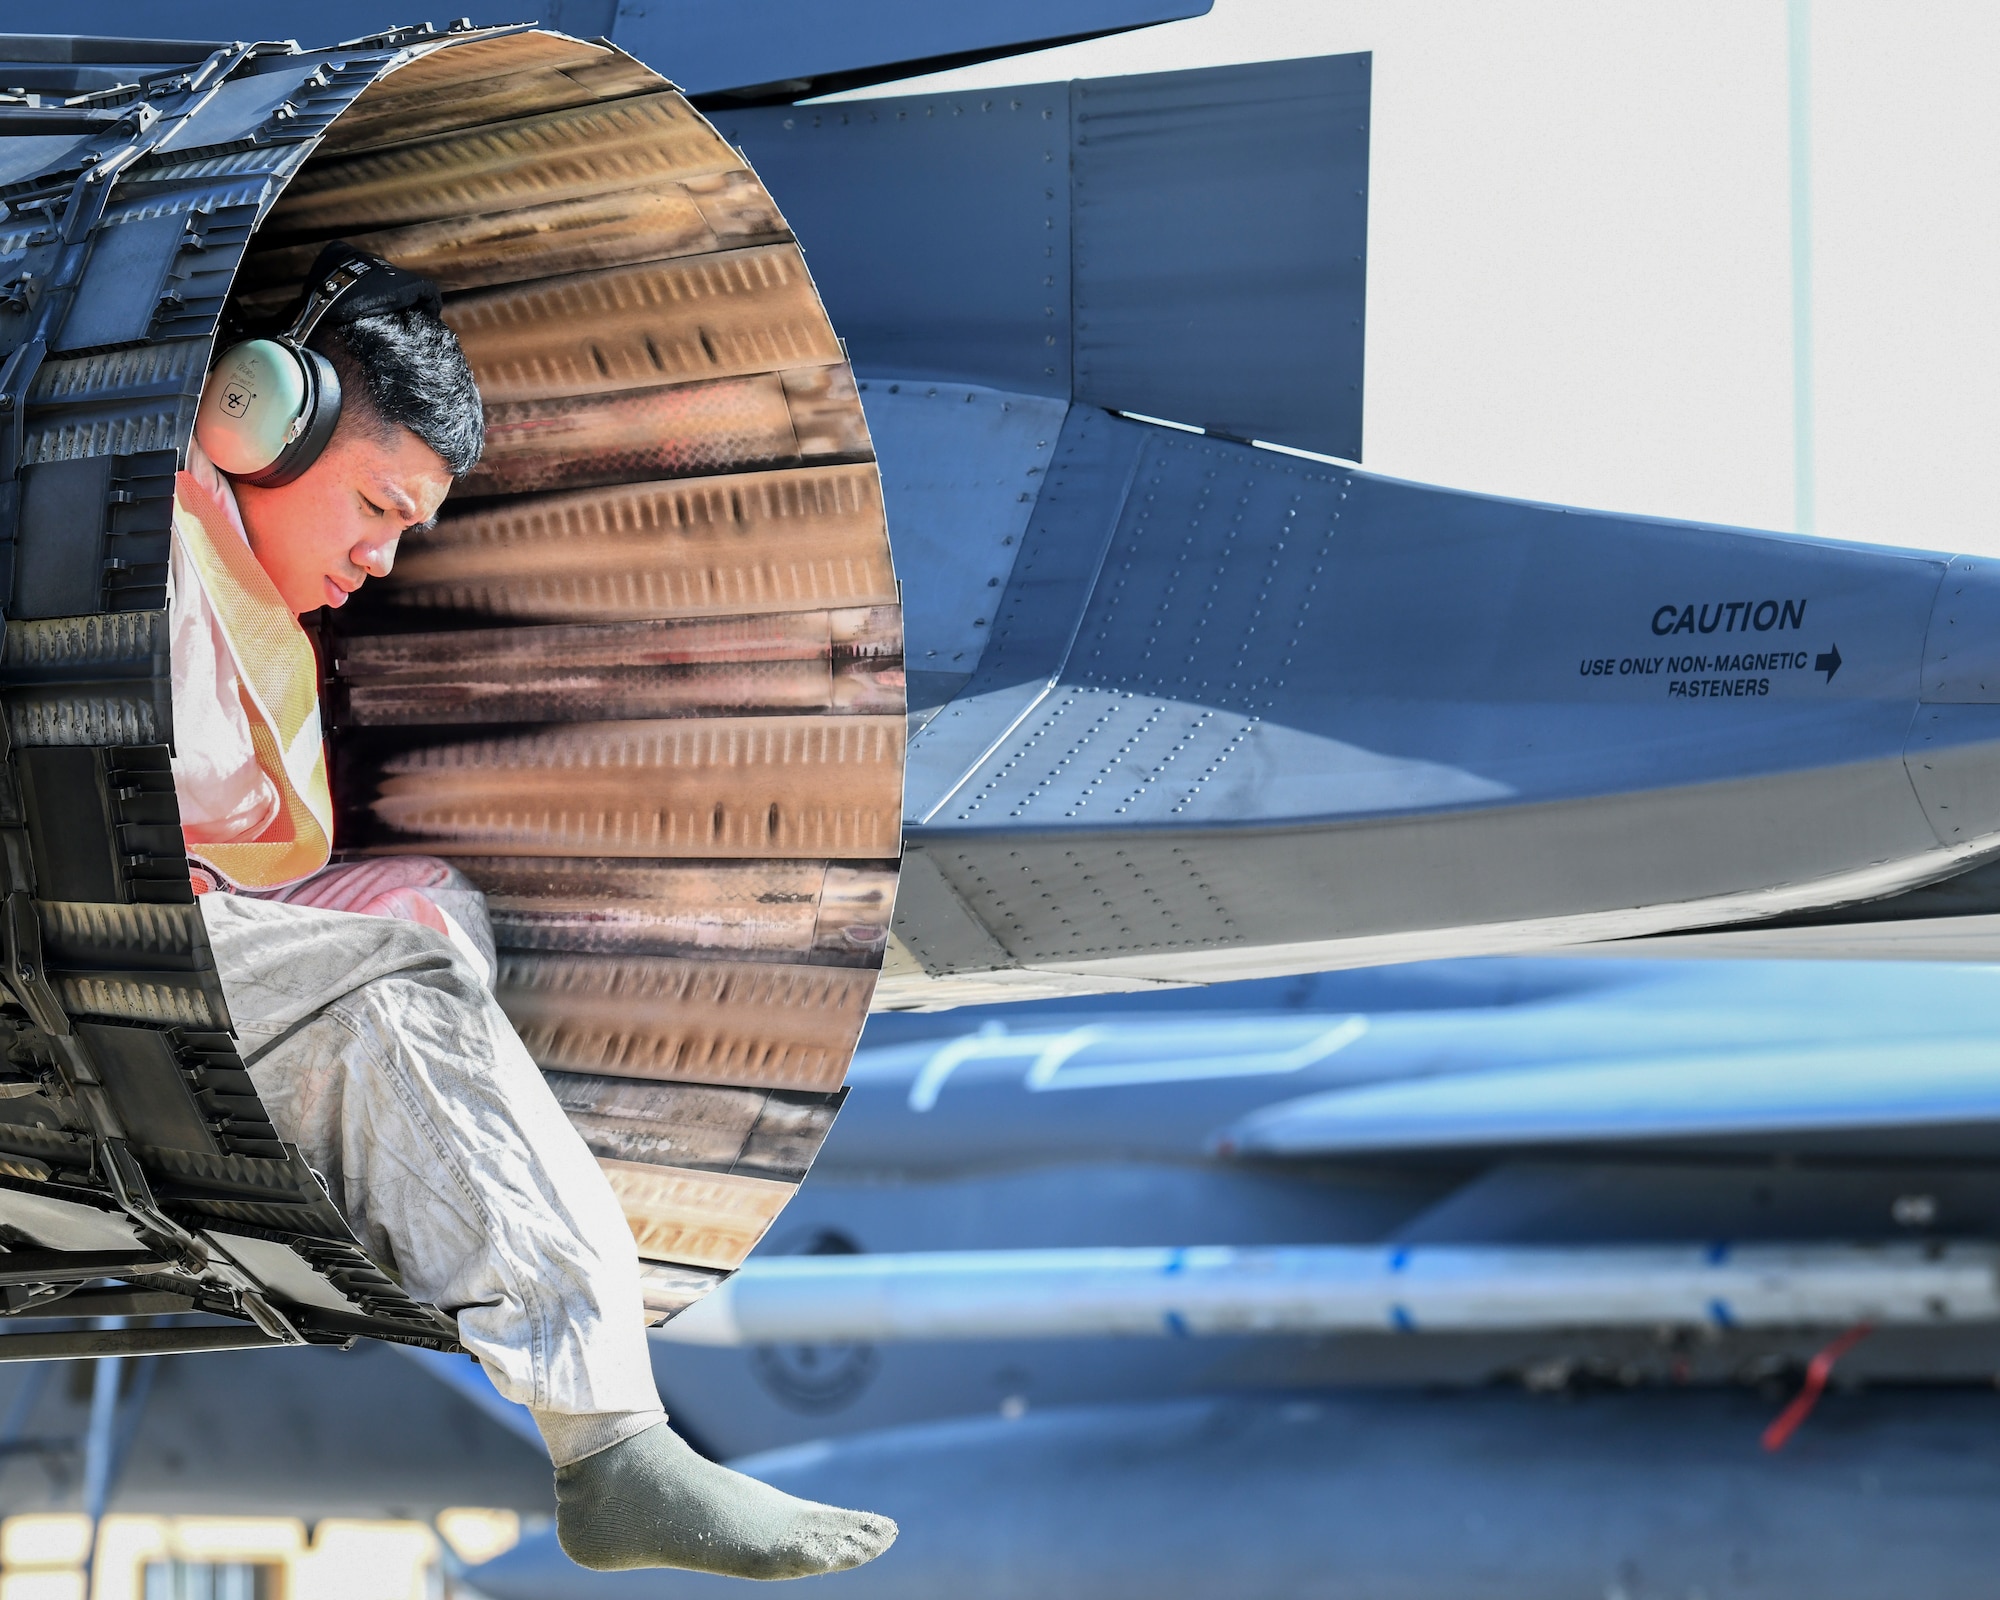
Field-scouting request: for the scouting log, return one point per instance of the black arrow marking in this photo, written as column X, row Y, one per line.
column 1828, row 662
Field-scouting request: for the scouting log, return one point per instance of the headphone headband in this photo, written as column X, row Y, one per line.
column 347, row 284
column 322, row 296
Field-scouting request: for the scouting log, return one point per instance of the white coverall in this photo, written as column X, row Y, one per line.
column 379, row 1051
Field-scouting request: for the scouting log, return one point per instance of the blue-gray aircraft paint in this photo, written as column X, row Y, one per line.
column 1509, row 1496
column 1261, row 640
column 708, row 48
column 786, row 47
column 1226, row 712
column 1193, row 894
column 319, row 1433
column 962, row 467
column 1094, row 1467
column 975, row 1130
column 1291, row 700
column 1189, row 245
column 1136, row 1139
column 1297, row 701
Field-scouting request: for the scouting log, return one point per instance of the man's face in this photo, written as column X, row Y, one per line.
column 323, row 535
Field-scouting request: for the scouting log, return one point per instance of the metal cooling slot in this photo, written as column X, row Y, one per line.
column 752, row 1024
column 140, row 398
column 731, row 314
column 797, row 540
column 729, row 425
column 759, row 1133
column 89, row 714
column 702, row 1219
column 823, row 661
column 146, row 963
column 561, row 155
column 487, row 81
column 36, row 1154
column 757, row 910
column 97, row 679
column 688, row 216
column 709, row 786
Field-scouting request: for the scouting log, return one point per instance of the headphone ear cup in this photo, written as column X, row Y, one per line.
column 280, row 441
column 251, row 405
column 320, row 421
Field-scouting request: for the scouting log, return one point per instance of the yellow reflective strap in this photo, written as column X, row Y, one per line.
column 280, row 680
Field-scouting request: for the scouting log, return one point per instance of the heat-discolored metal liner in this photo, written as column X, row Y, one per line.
column 757, row 1133
column 740, row 544
column 620, row 143
column 695, row 689
column 642, row 681
column 688, row 1020
column 691, row 216
column 703, row 1219
column 822, row 912
column 412, row 658
column 708, row 316
column 486, row 81
column 699, row 786
column 728, row 425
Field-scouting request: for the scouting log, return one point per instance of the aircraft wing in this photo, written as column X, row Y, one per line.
column 1766, row 1095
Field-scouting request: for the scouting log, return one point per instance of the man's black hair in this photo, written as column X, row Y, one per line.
column 407, row 369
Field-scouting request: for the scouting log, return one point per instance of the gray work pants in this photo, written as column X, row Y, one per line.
column 381, row 1055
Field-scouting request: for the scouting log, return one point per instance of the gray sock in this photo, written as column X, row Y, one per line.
column 650, row 1501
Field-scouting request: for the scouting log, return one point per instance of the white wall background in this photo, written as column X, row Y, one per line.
column 1579, row 256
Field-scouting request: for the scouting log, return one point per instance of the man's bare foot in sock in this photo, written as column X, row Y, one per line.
column 650, row 1501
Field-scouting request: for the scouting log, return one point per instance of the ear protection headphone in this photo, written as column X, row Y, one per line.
column 271, row 405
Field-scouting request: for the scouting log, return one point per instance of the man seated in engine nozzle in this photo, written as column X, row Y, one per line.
column 360, row 991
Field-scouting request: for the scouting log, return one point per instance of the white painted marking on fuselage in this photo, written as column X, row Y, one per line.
column 1205, row 1053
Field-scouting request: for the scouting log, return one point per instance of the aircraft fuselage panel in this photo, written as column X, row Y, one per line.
column 1241, row 713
